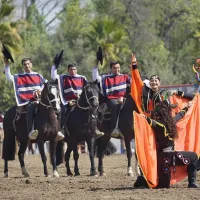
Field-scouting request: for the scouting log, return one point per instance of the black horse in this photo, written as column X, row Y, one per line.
column 126, row 127
column 45, row 122
column 80, row 126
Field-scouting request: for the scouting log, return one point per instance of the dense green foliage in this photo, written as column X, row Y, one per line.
column 164, row 34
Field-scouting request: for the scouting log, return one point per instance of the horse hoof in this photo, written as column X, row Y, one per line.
column 55, row 174
column 26, row 174
column 93, row 174
column 6, row 175
column 102, row 174
column 70, row 174
column 77, row 174
column 130, row 174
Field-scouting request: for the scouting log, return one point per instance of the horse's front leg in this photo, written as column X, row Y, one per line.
column 21, row 152
column 91, row 149
column 43, row 157
column 53, row 145
column 129, row 156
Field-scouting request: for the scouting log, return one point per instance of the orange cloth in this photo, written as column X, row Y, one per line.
column 145, row 145
column 136, row 89
column 180, row 101
column 189, row 140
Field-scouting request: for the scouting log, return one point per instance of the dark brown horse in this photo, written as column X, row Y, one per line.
column 126, row 127
column 45, row 122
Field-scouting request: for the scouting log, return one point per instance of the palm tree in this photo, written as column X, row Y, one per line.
column 8, row 30
column 111, row 36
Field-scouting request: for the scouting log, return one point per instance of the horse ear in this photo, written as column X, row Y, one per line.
column 45, row 85
column 95, row 82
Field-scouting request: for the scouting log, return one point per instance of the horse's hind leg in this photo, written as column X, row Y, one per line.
column 21, row 152
column 129, row 156
column 91, row 149
column 67, row 158
column 76, row 157
column 101, row 146
column 43, row 157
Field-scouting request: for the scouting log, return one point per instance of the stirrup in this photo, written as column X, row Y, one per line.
column 116, row 133
column 59, row 136
column 99, row 134
column 33, row 134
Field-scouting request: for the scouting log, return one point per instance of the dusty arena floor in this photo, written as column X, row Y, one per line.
column 116, row 185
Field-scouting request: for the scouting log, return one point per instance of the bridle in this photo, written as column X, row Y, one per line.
column 49, row 105
column 87, row 99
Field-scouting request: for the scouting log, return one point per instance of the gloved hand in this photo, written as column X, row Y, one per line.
column 120, row 100
column 37, row 94
column 72, row 103
column 58, row 58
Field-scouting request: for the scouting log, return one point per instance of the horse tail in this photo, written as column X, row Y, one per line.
column 9, row 146
column 59, row 153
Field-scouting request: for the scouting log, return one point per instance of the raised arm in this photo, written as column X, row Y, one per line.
column 8, row 74
column 54, row 74
column 136, row 84
column 182, row 113
column 95, row 74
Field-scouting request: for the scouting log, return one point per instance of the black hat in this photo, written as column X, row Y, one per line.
column 7, row 54
column 100, row 55
column 58, row 58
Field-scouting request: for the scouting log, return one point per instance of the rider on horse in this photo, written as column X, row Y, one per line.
column 113, row 87
column 70, row 86
column 27, row 86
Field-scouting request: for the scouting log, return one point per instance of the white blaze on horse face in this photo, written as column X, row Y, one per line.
column 57, row 99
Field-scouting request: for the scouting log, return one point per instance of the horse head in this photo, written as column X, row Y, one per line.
column 89, row 98
column 50, row 97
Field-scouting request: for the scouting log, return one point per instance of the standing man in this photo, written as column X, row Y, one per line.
column 27, row 87
column 113, row 87
column 70, row 86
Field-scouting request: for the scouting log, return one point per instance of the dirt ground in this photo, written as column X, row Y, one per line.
column 115, row 185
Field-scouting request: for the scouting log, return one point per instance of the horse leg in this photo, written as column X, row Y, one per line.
column 91, row 150
column 6, row 168
column 76, row 157
column 67, row 158
column 129, row 156
column 43, row 157
column 53, row 145
column 101, row 146
column 22, row 149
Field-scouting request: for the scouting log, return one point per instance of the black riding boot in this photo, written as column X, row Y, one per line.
column 98, row 133
column 192, row 177
column 114, row 121
column 30, row 111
